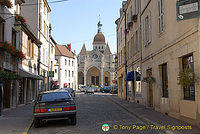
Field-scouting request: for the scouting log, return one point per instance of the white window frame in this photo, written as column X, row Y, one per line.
column 145, row 41
column 160, row 17
column 136, row 7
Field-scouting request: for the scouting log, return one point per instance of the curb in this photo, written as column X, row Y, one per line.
column 143, row 119
column 28, row 126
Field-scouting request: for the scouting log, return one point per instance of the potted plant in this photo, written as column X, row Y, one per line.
column 134, row 17
column 5, row 76
column 148, row 79
column 20, row 18
column 6, row 3
column 186, row 78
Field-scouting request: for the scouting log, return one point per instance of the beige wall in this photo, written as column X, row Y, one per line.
column 177, row 40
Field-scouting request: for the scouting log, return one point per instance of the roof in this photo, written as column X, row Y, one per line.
column 62, row 50
column 99, row 38
column 107, row 50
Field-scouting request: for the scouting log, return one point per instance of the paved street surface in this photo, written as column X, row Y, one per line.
column 93, row 112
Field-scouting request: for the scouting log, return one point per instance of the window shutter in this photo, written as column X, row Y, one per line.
column 149, row 14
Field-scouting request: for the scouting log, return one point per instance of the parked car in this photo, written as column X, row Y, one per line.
column 83, row 88
column 70, row 90
column 56, row 104
column 90, row 90
column 114, row 90
column 105, row 89
column 95, row 88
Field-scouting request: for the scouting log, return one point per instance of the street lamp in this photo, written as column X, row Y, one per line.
column 116, row 59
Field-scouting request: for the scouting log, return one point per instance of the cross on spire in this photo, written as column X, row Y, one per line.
column 99, row 25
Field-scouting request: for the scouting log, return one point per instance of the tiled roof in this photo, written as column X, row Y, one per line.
column 62, row 50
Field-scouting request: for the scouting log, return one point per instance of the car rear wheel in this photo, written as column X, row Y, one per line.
column 73, row 120
column 38, row 123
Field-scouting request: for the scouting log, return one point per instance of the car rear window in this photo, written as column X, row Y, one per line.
column 55, row 96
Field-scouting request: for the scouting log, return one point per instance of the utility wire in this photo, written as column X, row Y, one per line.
column 52, row 2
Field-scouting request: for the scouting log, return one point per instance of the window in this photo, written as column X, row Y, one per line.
column 160, row 16
column 164, row 80
column 65, row 62
column 65, row 73
column 72, row 63
column 40, row 20
column 44, row 28
column 69, row 73
column 136, row 7
column 147, row 29
column 1, row 31
column 188, row 63
column 51, row 49
column 14, row 38
column 55, row 71
column 72, row 73
column 30, row 48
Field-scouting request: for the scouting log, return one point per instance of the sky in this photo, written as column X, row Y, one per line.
column 75, row 22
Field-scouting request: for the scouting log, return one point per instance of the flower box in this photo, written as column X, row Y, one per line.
column 20, row 18
column 11, row 49
column 6, row 3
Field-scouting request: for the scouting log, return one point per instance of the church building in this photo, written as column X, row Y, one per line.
column 96, row 67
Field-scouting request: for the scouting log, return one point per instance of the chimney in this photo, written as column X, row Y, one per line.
column 69, row 47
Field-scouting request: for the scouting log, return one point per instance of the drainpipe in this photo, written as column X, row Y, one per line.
column 126, row 86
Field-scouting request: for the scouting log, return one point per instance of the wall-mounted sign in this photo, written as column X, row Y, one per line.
column 51, row 73
column 187, row 9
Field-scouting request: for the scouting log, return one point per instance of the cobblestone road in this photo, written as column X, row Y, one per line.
column 93, row 111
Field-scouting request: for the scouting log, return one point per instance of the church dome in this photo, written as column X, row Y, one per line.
column 99, row 38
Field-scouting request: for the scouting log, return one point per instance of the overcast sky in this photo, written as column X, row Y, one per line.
column 75, row 22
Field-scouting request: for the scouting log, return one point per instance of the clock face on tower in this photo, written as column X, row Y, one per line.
column 94, row 56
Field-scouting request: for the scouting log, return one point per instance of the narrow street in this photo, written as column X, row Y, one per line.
column 94, row 111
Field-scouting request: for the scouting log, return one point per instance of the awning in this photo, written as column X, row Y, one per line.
column 130, row 76
column 26, row 74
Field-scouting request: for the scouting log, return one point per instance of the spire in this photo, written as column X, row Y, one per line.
column 99, row 25
column 107, row 50
column 83, row 50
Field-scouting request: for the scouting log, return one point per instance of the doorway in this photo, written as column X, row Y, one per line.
column 150, row 88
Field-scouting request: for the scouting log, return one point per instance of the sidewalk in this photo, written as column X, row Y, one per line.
column 16, row 120
column 153, row 117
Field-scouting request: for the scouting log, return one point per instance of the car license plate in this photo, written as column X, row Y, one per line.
column 55, row 109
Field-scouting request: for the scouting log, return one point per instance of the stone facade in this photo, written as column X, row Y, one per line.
column 96, row 67
column 168, row 47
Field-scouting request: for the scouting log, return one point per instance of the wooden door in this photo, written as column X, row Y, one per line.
column 6, row 94
column 150, row 86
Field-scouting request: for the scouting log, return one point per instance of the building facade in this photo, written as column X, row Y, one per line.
column 37, row 17
column 66, row 67
column 29, row 68
column 9, row 42
column 169, row 48
column 96, row 67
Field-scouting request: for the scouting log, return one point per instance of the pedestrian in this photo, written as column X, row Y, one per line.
column 1, row 93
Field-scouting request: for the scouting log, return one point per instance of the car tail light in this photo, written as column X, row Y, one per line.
column 69, row 108
column 40, row 110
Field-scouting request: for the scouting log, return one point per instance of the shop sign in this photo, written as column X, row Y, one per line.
column 187, row 9
column 51, row 73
